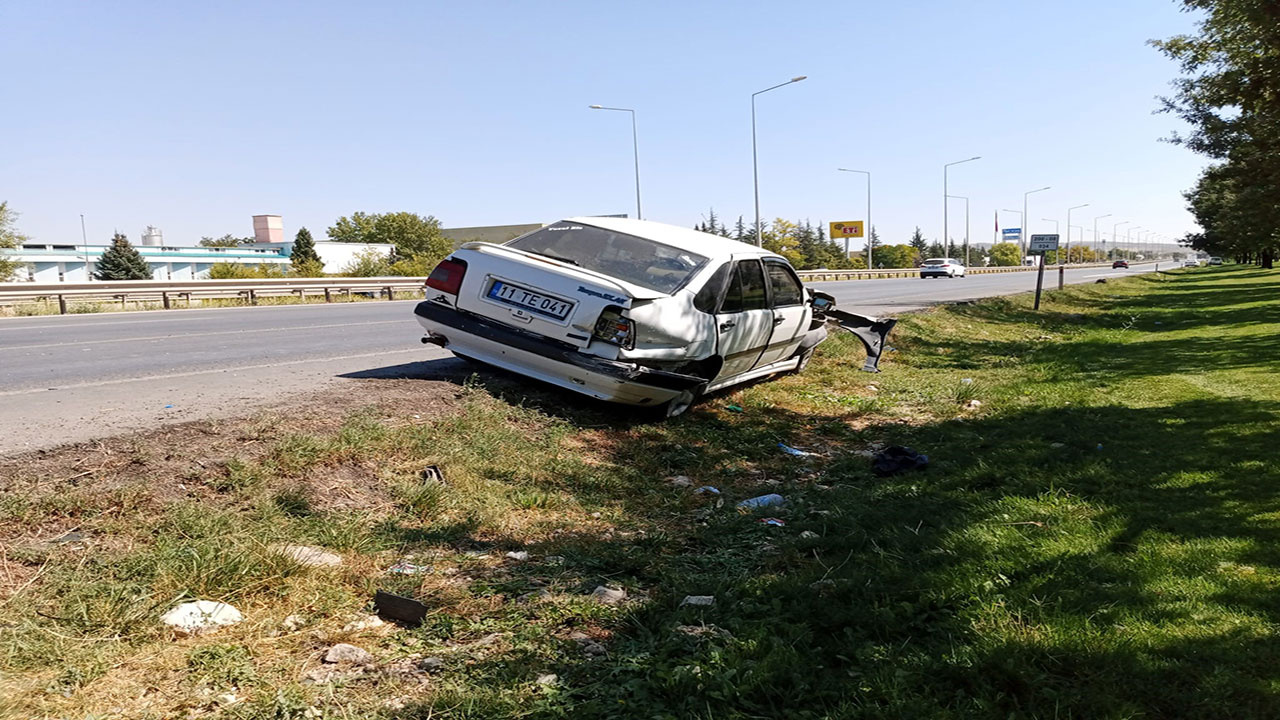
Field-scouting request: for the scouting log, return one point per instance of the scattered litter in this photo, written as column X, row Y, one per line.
column 680, row 481
column 796, row 452
column 1100, row 281
column 966, row 381
column 431, row 664
column 608, row 596
column 1099, row 446
column 168, row 407
column 698, row 600
column 733, row 408
column 349, row 654
column 227, row 699
column 873, row 388
column 773, row 522
column 398, row 608
column 195, row 617
column 706, row 490
column 1055, row 446
column 554, row 559
column 432, row 473
column 477, row 554
column 307, row 555
column 293, row 623
column 547, row 679
column 518, row 555
column 404, row 567
column 770, row 500
column 365, row 623
column 973, row 404
column 700, row 631
column 595, row 515
column 896, row 459
column 808, row 535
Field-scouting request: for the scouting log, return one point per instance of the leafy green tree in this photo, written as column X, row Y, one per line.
column 241, row 271
column 368, row 263
column 896, row 256
column 10, row 239
column 917, row 241
column 227, row 240
column 412, row 235
column 122, row 261
column 1006, row 254
column 357, row 229
column 304, row 258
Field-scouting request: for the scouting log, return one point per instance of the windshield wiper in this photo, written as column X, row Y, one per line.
column 556, row 257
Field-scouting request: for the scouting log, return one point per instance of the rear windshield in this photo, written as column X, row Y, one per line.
column 636, row 260
column 935, row 262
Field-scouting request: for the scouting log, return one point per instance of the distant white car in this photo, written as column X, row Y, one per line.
column 941, row 267
column 625, row 310
column 1191, row 263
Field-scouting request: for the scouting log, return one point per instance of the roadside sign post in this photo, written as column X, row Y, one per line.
column 1041, row 244
column 847, row 229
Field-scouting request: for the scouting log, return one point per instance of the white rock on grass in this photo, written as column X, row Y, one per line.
column 368, row 622
column 808, row 535
column 681, row 481
column 548, row 679
column 308, row 556
column 518, row 555
column 608, row 596
column 201, row 616
column 349, row 654
column 698, row 600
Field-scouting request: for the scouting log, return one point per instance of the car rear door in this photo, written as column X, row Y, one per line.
column 744, row 320
column 791, row 313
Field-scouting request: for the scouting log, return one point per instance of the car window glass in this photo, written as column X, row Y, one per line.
column 786, row 288
column 706, row 298
column 637, row 260
column 746, row 288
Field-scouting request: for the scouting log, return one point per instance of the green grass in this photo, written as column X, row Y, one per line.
column 1098, row 538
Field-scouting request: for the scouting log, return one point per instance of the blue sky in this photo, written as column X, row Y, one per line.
column 194, row 117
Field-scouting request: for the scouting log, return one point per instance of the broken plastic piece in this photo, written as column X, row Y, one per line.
column 795, row 451
column 773, row 522
column 706, row 490
column 871, row 331
column 770, row 500
column 432, row 473
column 733, row 408
column 404, row 567
column 398, row 608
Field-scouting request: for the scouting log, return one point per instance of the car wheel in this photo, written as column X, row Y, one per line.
column 677, row 405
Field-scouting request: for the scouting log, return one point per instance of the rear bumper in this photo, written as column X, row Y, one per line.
column 558, row 363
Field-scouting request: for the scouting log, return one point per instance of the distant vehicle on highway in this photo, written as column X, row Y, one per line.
column 1215, row 260
column 941, row 267
column 1191, row 262
column 627, row 311
column 1120, row 264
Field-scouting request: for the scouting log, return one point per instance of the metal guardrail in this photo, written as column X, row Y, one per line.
column 167, row 292
column 828, row 275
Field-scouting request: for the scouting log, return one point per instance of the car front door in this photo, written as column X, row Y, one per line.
column 744, row 321
column 791, row 313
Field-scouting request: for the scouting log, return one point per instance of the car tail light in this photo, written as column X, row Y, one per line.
column 615, row 329
column 447, row 277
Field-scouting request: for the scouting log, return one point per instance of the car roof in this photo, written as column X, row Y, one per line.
column 714, row 246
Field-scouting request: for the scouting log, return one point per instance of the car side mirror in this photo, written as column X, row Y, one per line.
column 822, row 302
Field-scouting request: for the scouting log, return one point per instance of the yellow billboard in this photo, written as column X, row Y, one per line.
column 846, row 229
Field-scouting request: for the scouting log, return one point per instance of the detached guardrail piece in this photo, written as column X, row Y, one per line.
column 871, row 331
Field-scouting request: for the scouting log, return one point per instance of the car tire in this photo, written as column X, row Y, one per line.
column 678, row 405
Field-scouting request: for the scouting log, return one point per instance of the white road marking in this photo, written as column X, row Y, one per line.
column 108, row 317
column 193, row 373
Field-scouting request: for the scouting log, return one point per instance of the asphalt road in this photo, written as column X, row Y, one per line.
column 75, row 377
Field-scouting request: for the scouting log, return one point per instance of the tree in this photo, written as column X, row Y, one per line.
column 10, row 239
column 240, row 271
column 304, row 258
column 368, row 263
column 227, row 240
column 357, row 229
column 1006, row 254
column 917, row 241
column 122, row 261
column 896, row 256
column 1229, row 95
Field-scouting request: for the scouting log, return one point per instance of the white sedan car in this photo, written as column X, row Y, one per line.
column 941, row 267
column 623, row 310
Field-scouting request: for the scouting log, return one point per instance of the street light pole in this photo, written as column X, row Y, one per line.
column 1077, row 207
column 870, row 227
column 1128, row 237
column 1025, row 219
column 1095, row 230
column 84, row 237
column 755, row 167
column 946, row 237
column 1115, row 238
column 635, row 147
column 966, row 228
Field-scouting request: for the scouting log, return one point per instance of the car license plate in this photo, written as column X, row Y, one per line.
column 534, row 302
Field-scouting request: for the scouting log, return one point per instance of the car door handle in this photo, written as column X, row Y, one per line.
column 727, row 325
column 778, row 321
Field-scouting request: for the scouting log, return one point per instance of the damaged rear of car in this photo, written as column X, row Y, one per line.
column 623, row 310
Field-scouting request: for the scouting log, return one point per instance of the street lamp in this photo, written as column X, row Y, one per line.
column 84, row 237
column 1077, row 207
column 946, row 237
column 870, row 227
column 755, row 168
column 1026, row 230
column 1095, row 230
column 1056, row 226
column 635, row 146
column 1115, row 238
column 966, row 228
column 1128, row 239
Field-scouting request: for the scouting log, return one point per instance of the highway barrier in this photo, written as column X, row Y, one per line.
column 169, row 293
column 829, row 275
